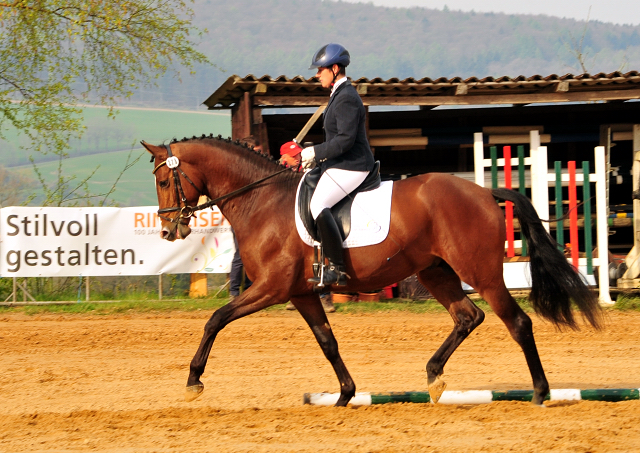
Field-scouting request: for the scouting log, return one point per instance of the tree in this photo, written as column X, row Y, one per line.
column 576, row 47
column 59, row 54
column 13, row 187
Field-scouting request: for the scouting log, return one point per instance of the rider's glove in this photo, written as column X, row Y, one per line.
column 308, row 157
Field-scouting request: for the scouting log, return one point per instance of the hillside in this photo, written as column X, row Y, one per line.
column 105, row 135
column 279, row 36
column 107, row 144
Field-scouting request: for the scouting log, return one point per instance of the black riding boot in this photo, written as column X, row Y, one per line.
column 331, row 240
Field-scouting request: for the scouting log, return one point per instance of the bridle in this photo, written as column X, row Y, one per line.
column 186, row 211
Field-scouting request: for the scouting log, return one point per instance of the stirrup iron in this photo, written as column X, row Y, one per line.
column 329, row 275
column 320, row 271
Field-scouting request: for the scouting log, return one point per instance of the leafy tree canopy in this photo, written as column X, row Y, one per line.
column 57, row 54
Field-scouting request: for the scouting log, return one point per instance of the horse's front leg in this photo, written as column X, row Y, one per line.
column 311, row 310
column 254, row 299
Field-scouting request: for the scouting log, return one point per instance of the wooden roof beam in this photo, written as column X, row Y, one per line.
column 561, row 86
column 462, row 89
column 260, row 88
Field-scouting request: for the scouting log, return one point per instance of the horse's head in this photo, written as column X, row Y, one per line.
column 178, row 184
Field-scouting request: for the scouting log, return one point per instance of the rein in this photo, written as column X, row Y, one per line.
column 186, row 211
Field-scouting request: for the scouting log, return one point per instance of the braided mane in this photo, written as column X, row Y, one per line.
column 262, row 161
column 235, row 143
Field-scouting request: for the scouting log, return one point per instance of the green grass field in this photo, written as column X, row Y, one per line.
column 210, row 303
column 120, row 137
column 141, row 305
column 135, row 188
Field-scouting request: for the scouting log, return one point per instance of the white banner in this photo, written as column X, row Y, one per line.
column 66, row 242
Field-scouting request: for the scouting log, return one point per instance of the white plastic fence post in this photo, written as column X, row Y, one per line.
column 542, row 186
column 534, row 144
column 602, row 226
column 534, row 139
column 478, row 158
column 632, row 259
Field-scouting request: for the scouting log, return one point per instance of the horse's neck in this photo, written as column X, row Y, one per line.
column 228, row 170
column 249, row 209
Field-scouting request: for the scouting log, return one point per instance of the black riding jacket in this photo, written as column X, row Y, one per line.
column 346, row 145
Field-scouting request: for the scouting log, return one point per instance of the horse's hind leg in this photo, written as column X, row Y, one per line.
column 446, row 287
column 520, row 327
column 311, row 310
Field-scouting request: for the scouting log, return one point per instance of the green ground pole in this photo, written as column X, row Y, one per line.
column 475, row 396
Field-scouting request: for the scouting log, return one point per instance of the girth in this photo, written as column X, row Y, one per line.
column 342, row 210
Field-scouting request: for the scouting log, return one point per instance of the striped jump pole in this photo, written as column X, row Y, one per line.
column 474, row 396
column 574, row 249
column 571, row 178
column 573, row 214
column 559, row 206
column 586, row 196
column 508, row 207
column 507, row 163
column 540, row 180
column 522, row 189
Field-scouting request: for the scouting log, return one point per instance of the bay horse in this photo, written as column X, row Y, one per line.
column 443, row 228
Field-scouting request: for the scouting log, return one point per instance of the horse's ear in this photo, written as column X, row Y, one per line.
column 147, row 146
column 152, row 149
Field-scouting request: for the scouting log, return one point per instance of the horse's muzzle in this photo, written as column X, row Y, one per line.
column 183, row 230
column 168, row 234
column 173, row 232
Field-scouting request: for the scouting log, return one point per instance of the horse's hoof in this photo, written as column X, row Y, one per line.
column 193, row 391
column 436, row 388
column 537, row 401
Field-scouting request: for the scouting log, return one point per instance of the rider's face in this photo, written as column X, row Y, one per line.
column 326, row 76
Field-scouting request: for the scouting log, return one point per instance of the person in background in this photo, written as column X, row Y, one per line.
column 290, row 156
column 237, row 273
column 252, row 141
column 237, row 268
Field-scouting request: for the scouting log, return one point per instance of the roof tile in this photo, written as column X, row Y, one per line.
column 439, row 90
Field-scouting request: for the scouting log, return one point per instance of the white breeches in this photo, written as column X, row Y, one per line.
column 334, row 185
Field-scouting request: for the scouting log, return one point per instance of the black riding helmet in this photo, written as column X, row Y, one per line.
column 330, row 54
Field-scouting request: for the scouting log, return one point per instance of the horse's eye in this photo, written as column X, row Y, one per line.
column 164, row 184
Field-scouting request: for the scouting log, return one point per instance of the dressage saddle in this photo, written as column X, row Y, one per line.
column 342, row 210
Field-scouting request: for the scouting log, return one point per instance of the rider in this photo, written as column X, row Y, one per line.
column 345, row 158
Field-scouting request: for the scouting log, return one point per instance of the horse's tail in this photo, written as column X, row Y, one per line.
column 554, row 282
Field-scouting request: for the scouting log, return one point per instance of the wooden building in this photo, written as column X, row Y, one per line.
column 418, row 126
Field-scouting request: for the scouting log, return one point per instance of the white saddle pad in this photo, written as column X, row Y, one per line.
column 370, row 217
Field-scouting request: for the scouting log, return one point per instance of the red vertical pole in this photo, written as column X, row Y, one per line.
column 573, row 216
column 508, row 209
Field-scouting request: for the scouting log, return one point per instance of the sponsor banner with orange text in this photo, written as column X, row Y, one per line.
column 65, row 242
